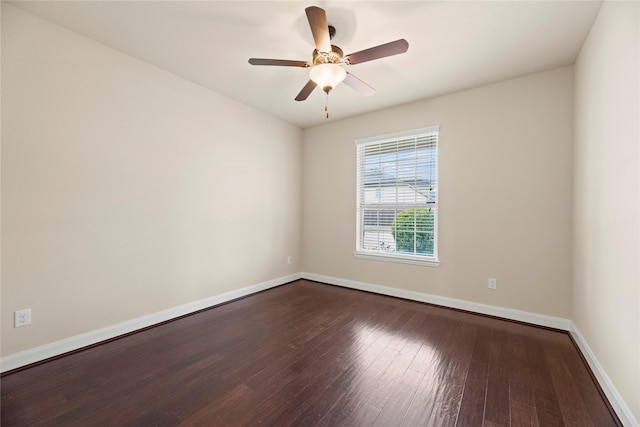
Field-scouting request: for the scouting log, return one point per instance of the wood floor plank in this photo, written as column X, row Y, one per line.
column 361, row 408
column 309, row 374
column 437, row 402
column 312, row 354
column 395, row 408
column 359, row 411
column 278, row 382
column 572, row 407
column 523, row 415
column 520, row 389
column 579, row 400
column 472, row 406
column 546, row 400
column 369, row 361
column 455, row 366
column 497, row 407
column 407, row 347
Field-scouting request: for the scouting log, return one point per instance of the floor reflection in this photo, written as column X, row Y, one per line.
column 376, row 349
column 420, row 358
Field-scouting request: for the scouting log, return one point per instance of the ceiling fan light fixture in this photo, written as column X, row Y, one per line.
column 327, row 76
column 327, row 59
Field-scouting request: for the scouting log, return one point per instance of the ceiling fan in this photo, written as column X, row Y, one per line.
column 327, row 60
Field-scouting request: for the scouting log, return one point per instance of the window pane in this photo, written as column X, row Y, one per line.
column 397, row 194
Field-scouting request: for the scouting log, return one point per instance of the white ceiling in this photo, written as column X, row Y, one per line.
column 452, row 45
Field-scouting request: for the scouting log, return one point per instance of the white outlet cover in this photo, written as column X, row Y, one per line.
column 23, row 317
column 492, row 283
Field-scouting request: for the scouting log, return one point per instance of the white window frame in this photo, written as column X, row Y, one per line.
column 381, row 255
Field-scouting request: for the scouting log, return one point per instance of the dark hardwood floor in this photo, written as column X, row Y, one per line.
column 312, row 354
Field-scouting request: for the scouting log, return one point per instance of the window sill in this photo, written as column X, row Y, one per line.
column 403, row 259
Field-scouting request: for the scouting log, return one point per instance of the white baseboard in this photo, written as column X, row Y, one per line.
column 492, row 310
column 622, row 410
column 66, row 345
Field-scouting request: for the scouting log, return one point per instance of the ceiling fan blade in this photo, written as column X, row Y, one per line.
column 319, row 28
column 381, row 51
column 306, row 90
column 358, row 85
column 279, row 62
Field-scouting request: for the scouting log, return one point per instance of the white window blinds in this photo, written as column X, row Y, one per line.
column 397, row 195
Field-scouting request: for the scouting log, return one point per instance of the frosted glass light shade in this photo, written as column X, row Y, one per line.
column 327, row 75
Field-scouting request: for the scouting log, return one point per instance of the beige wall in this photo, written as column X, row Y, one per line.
column 505, row 195
column 606, row 291
column 127, row 190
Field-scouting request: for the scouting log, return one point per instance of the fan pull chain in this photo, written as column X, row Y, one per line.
column 326, row 104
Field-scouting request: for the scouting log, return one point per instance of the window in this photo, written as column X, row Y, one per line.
column 397, row 197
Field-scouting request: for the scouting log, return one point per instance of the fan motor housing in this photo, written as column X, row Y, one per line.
column 333, row 57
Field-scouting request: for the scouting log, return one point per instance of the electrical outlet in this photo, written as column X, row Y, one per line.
column 492, row 283
column 23, row 317
column 289, row 259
